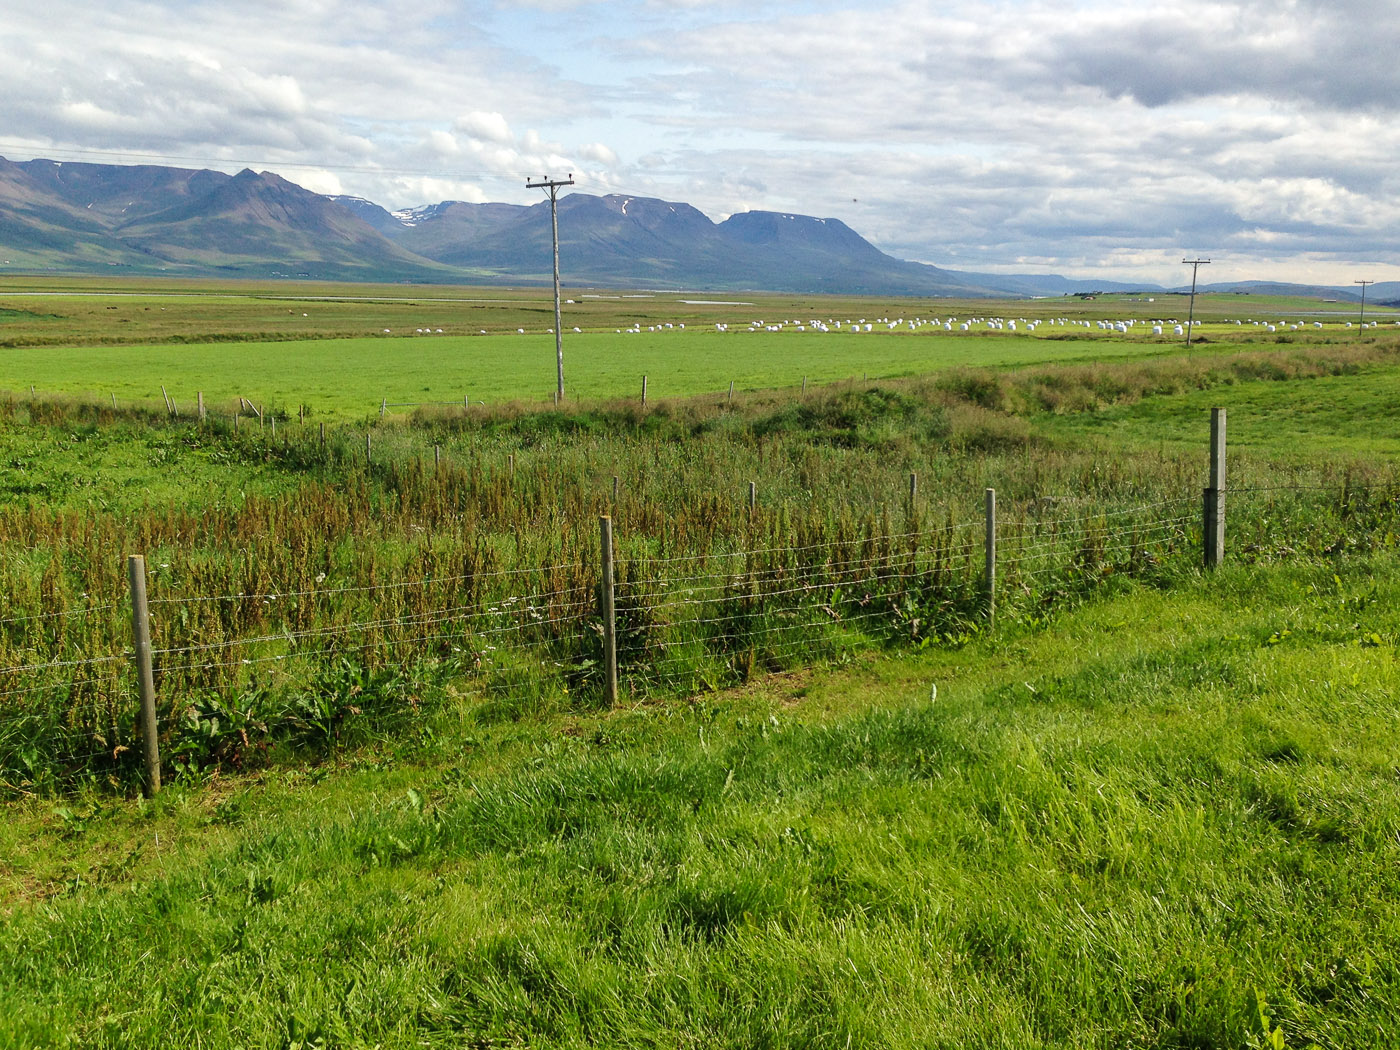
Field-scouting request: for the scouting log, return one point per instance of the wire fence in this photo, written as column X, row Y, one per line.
column 685, row 623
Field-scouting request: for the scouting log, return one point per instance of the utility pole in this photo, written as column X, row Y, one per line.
column 551, row 186
column 1363, row 302
column 1195, row 265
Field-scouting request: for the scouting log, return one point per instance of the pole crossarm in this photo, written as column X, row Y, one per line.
column 551, row 186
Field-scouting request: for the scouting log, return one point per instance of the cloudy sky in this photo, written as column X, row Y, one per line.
column 1094, row 139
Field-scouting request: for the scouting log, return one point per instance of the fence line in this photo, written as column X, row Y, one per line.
column 833, row 573
column 674, row 625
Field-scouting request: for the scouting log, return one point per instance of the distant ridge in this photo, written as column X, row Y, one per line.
column 61, row 217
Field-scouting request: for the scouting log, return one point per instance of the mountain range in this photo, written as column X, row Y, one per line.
column 63, row 217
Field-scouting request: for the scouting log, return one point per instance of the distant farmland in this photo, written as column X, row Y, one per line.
column 341, row 350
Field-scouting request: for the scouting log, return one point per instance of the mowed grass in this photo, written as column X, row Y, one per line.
column 348, row 378
column 1090, row 836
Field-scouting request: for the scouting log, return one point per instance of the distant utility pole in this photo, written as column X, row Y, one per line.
column 1363, row 302
column 1195, row 265
column 551, row 186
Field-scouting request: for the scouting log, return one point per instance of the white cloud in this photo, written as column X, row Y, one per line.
column 489, row 127
column 327, row 182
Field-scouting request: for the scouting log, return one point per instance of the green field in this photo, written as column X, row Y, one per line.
column 325, row 347
column 837, row 804
column 348, row 378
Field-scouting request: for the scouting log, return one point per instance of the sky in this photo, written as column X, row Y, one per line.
column 1093, row 139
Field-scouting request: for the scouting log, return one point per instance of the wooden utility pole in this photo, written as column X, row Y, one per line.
column 551, row 186
column 1195, row 265
column 1363, row 300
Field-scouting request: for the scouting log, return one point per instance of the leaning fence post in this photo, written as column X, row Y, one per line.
column 369, row 459
column 991, row 553
column 383, row 406
column 1213, row 537
column 145, row 680
column 607, row 609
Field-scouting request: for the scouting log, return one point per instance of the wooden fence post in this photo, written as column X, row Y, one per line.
column 437, row 456
column 199, row 403
column 1214, row 497
column 731, row 391
column 510, row 462
column 145, row 679
column 369, row 459
column 608, row 609
column 753, row 496
column 913, row 489
column 615, row 487
column 990, row 570
column 644, row 391
column 383, row 406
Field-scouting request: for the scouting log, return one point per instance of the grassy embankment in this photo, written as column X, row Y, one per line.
column 1126, row 829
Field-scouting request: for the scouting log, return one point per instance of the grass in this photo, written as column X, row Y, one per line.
column 1092, row 838
column 1150, row 809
